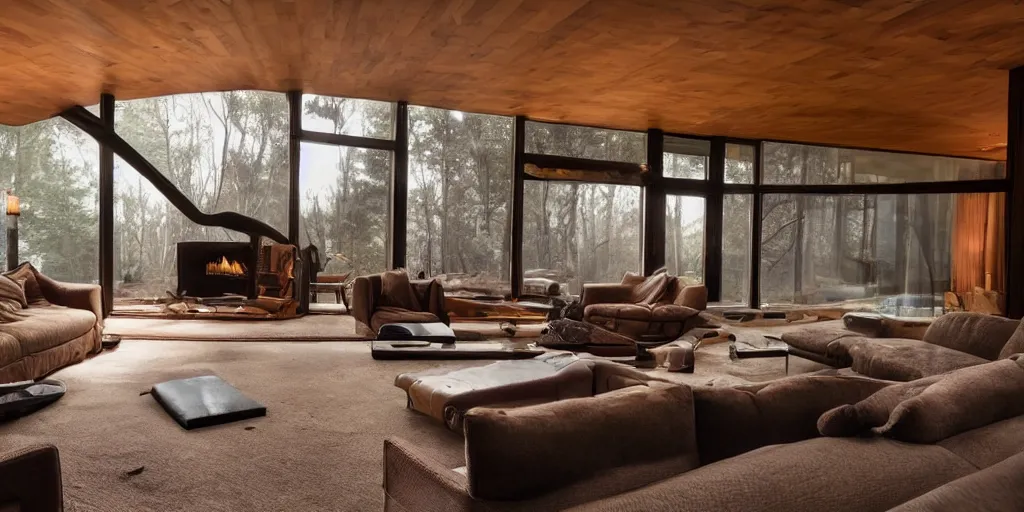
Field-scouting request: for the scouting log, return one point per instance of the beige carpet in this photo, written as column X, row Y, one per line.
column 306, row 328
column 319, row 449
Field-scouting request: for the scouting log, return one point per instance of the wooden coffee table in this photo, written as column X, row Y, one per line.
column 768, row 346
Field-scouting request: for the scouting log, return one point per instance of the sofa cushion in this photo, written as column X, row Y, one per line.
column 47, row 327
column 837, row 475
column 694, row 296
column 393, row 315
column 858, row 418
column 640, row 312
column 990, row 444
column 12, row 292
column 997, row 488
column 960, row 401
column 820, row 340
column 1015, row 345
column 10, row 349
column 731, row 421
column 396, row 291
column 903, row 359
column 652, row 289
column 516, row 454
column 25, row 276
column 975, row 333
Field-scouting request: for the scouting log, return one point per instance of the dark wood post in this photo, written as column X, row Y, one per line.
column 654, row 204
column 1015, row 199
column 294, row 150
column 713, row 211
column 106, row 192
column 755, row 232
column 400, row 187
column 518, row 148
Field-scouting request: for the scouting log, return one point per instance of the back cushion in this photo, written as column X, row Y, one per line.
column 974, row 333
column 517, row 454
column 1015, row 345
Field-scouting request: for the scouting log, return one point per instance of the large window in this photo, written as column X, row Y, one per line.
column 344, row 192
column 684, row 239
column 796, row 164
column 895, row 253
column 686, row 158
column 54, row 168
column 460, row 187
column 579, row 233
column 225, row 151
column 736, row 244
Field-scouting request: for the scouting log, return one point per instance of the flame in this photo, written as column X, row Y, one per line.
column 224, row 267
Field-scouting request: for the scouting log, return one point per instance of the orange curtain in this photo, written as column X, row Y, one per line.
column 978, row 241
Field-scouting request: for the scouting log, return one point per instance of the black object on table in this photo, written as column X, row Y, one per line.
column 415, row 349
column 434, row 332
column 205, row 401
column 770, row 347
column 18, row 399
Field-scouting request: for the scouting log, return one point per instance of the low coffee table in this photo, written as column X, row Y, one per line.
column 769, row 347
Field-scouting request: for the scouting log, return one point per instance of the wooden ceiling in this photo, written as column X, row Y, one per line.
column 927, row 75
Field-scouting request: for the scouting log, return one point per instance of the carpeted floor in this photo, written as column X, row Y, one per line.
column 330, row 408
column 306, row 328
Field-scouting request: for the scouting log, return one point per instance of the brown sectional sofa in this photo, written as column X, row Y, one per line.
column 30, row 479
column 758, row 449
column 952, row 341
column 48, row 337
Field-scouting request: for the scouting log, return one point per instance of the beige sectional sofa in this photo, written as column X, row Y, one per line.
column 59, row 324
column 753, row 448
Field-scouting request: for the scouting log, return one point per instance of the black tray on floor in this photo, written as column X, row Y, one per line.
column 205, row 401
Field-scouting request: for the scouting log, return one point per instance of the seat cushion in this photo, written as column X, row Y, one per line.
column 990, row 444
column 1000, row 487
column 820, row 341
column 641, row 312
column 49, row 326
column 446, row 394
column 10, row 349
column 904, row 360
column 395, row 315
column 834, row 474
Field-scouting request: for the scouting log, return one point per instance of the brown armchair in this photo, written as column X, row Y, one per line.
column 372, row 307
column 656, row 308
column 30, row 479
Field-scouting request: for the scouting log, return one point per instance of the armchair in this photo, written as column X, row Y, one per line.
column 656, row 308
column 385, row 299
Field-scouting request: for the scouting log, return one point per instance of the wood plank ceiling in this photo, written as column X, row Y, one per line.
column 917, row 75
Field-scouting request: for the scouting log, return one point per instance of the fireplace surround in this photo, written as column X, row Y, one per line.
column 213, row 269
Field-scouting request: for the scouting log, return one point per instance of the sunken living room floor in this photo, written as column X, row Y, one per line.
column 329, row 408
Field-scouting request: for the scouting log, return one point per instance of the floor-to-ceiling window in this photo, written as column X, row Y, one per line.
column 226, row 151
column 53, row 168
column 459, row 197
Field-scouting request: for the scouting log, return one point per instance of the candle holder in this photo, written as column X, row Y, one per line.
column 13, row 212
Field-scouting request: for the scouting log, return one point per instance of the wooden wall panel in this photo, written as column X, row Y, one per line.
column 918, row 76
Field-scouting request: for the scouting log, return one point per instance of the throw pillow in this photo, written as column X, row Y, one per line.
column 651, row 290
column 25, row 274
column 10, row 311
column 520, row 453
column 396, row 291
column 859, row 418
column 1015, row 345
column 12, row 292
column 963, row 400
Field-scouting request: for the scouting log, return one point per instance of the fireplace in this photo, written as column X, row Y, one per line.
column 213, row 269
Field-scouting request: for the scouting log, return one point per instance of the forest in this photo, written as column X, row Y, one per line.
column 228, row 151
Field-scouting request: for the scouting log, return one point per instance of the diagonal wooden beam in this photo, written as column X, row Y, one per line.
column 92, row 125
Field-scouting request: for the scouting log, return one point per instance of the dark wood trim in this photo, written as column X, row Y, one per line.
column 654, row 205
column 92, row 125
column 1015, row 199
column 400, row 186
column 877, row 150
column 294, row 164
column 755, row 235
column 592, row 126
column 518, row 164
column 335, row 139
column 106, row 193
column 582, row 164
column 713, row 206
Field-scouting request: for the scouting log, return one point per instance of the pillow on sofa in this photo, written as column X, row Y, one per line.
column 516, row 454
column 12, row 292
column 873, row 411
column 25, row 276
column 396, row 291
column 963, row 400
column 652, row 289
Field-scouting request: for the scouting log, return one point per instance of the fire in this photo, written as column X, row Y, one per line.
column 224, row 267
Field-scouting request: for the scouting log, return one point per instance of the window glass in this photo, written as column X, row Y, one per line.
column 578, row 233
column 684, row 239
column 739, row 163
column 796, row 164
column 460, row 188
column 736, row 243
column 686, row 158
column 586, row 142
column 348, row 116
column 53, row 169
